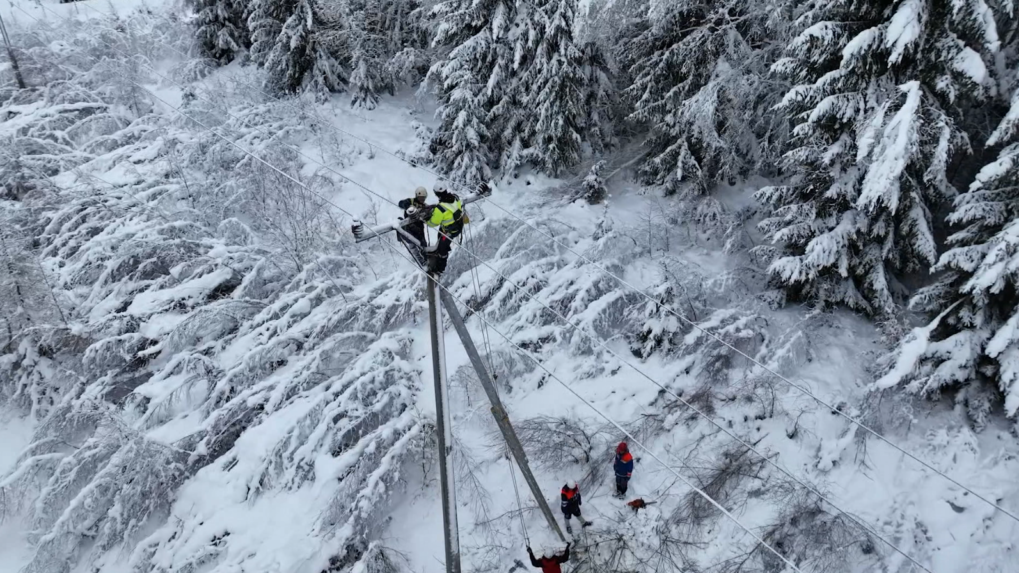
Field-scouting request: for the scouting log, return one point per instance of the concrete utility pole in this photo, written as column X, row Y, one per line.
column 10, row 55
column 444, row 427
column 501, row 417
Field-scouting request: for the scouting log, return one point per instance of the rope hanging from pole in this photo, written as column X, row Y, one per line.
column 476, row 282
column 520, row 508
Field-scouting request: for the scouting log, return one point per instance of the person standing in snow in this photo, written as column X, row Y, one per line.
column 413, row 209
column 624, row 469
column 570, row 497
column 550, row 561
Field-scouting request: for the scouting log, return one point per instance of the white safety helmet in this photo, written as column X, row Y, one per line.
column 421, row 193
column 571, row 484
column 547, row 552
column 440, row 187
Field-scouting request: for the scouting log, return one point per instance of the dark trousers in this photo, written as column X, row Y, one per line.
column 569, row 512
column 437, row 258
column 622, row 483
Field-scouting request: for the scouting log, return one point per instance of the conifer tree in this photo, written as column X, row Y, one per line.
column 699, row 70
column 510, row 119
column 599, row 101
column 556, row 97
column 369, row 72
column 265, row 21
column 299, row 57
column 972, row 342
column 879, row 90
column 220, row 28
column 476, row 64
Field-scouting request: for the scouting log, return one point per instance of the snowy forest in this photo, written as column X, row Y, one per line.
column 773, row 245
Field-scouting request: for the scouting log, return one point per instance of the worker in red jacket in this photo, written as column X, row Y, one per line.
column 624, row 469
column 550, row 562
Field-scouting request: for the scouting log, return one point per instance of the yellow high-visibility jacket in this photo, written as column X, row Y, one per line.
column 449, row 216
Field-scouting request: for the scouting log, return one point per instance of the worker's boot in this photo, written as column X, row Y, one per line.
column 569, row 529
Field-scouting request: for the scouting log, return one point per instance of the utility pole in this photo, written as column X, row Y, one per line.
column 444, row 428
column 437, row 298
column 10, row 55
column 499, row 413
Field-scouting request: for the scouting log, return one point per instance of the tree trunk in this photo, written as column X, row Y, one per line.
column 10, row 55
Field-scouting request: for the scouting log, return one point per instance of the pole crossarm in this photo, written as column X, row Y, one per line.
column 362, row 233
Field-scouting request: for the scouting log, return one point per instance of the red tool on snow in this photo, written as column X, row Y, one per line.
column 639, row 504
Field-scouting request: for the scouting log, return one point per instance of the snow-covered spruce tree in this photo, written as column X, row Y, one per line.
column 388, row 44
column 475, row 66
column 599, row 100
column 369, row 75
column 265, row 20
column 879, row 91
column 298, row 45
column 700, row 84
column 556, row 96
column 298, row 59
column 221, row 28
column 972, row 343
column 594, row 184
column 510, row 121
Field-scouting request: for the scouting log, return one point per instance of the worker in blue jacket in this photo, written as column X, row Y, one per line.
column 624, row 469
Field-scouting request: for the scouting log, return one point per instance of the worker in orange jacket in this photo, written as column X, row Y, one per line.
column 570, row 504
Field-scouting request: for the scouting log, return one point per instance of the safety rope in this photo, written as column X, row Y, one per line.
column 520, row 507
column 476, row 280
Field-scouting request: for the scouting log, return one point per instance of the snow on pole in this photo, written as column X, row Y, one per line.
column 444, row 429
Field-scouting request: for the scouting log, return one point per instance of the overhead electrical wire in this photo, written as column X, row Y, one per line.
column 594, row 408
column 722, row 427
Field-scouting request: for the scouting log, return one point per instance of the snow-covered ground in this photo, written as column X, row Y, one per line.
column 278, row 499
column 15, row 434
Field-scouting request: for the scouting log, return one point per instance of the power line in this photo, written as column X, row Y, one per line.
column 599, row 412
column 696, row 326
column 623, row 430
column 693, row 408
